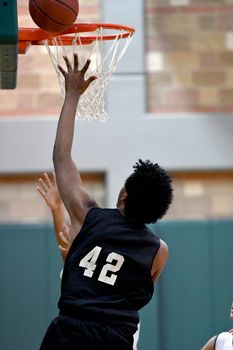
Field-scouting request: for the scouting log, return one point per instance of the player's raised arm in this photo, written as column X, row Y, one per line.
column 76, row 200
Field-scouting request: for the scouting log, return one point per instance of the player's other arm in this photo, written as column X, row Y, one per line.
column 160, row 261
column 47, row 187
column 75, row 198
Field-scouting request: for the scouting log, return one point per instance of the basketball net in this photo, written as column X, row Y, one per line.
column 104, row 56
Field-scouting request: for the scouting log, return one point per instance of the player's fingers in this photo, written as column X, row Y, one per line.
column 68, row 64
column 39, row 189
column 86, row 66
column 66, row 231
column 64, row 252
column 75, row 62
column 65, row 227
column 47, row 180
column 62, row 249
column 90, row 80
column 43, row 185
column 63, row 238
column 63, row 72
column 66, row 237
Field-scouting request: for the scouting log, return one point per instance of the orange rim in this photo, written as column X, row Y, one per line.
column 35, row 36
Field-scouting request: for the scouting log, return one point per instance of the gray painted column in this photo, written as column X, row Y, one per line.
column 131, row 13
column 125, row 94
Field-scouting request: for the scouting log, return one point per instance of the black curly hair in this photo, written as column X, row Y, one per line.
column 149, row 193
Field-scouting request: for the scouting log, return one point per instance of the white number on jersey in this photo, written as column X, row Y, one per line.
column 89, row 263
column 110, row 267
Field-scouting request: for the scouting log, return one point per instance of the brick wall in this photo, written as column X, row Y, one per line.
column 202, row 196
column 20, row 201
column 197, row 196
column 38, row 91
column 189, row 45
column 189, row 50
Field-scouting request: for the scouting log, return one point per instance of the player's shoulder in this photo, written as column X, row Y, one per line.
column 163, row 245
column 163, row 250
column 97, row 211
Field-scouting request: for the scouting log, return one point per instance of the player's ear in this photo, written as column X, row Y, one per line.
column 121, row 197
column 123, row 194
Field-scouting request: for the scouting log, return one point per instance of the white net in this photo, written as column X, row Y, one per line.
column 104, row 55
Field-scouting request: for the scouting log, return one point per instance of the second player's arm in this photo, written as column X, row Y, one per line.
column 47, row 187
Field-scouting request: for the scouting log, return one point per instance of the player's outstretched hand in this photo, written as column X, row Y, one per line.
column 47, row 188
column 75, row 83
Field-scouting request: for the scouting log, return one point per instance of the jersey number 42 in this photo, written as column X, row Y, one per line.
column 89, row 262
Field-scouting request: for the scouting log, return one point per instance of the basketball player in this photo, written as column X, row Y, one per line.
column 114, row 258
column 47, row 187
column 222, row 341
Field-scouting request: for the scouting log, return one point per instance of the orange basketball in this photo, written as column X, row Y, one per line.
column 52, row 15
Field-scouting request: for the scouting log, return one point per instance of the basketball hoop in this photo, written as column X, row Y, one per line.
column 104, row 44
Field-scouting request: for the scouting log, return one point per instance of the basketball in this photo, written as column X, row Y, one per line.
column 52, row 15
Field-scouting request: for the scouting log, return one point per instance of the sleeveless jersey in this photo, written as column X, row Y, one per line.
column 107, row 272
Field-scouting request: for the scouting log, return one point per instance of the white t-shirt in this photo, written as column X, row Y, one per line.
column 224, row 341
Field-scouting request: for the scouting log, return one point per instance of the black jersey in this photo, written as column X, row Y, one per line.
column 107, row 273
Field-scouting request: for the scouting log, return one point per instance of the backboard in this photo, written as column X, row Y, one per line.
column 8, row 44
